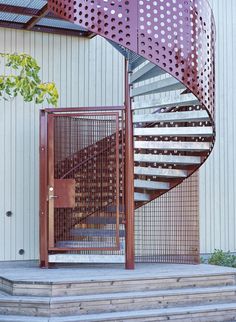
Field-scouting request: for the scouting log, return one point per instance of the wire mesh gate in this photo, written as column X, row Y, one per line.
column 84, row 180
column 82, row 194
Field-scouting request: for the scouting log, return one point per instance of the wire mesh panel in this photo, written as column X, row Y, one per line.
column 167, row 229
column 86, row 180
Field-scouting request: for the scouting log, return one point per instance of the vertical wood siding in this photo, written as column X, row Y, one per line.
column 217, row 177
column 87, row 73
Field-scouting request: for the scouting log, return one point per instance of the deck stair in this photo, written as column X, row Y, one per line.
column 196, row 297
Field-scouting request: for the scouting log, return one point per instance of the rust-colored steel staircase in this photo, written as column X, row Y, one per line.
column 169, row 49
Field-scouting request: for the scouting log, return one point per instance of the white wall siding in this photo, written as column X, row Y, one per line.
column 87, row 73
column 217, row 177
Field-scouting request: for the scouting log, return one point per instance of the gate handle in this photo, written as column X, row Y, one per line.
column 53, row 197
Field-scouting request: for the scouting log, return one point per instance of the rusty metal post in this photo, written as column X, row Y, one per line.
column 129, row 176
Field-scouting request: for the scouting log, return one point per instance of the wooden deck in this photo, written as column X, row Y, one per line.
column 30, row 272
column 152, row 292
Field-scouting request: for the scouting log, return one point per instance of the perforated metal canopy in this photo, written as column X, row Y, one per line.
column 34, row 15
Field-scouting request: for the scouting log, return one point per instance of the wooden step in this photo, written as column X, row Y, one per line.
column 161, row 86
column 203, row 313
column 173, row 146
column 88, row 281
column 166, row 159
column 116, row 302
column 190, row 116
column 198, row 131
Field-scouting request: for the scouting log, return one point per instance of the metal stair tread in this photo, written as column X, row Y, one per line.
column 138, row 196
column 137, row 62
column 171, row 145
column 184, row 100
column 188, row 116
column 167, row 159
column 198, row 131
column 169, row 173
column 93, row 232
column 152, row 185
column 80, row 244
column 147, row 71
column 160, row 86
column 100, row 220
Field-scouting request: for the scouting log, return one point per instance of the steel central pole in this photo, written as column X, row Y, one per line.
column 129, row 176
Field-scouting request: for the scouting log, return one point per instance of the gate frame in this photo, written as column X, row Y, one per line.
column 128, row 185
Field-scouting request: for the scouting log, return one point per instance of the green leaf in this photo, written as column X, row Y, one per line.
column 25, row 81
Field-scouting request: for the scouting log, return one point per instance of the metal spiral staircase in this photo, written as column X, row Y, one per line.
column 169, row 50
column 172, row 138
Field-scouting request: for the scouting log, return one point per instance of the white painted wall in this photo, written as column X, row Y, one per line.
column 218, row 175
column 87, row 73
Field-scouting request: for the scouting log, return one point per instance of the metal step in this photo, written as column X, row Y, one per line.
column 137, row 62
column 192, row 116
column 141, row 196
column 162, row 173
column 81, row 258
column 112, row 208
column 93, row 232
column 173, row 146
column 101, row 220
column 164, row 85
column 151, row 185
column 183, row 100
column 198, row 131
column 167, row 159
column 84, row 244
column 147, row 71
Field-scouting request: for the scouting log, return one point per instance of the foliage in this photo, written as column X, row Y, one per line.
column 221, row 258
column 24, row 80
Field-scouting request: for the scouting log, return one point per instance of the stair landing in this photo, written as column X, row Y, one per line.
column 18, row 273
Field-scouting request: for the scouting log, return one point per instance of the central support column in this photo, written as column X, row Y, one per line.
column 129, row 176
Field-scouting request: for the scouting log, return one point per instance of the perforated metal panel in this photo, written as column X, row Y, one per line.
column 112, row 19
column 178, row 36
